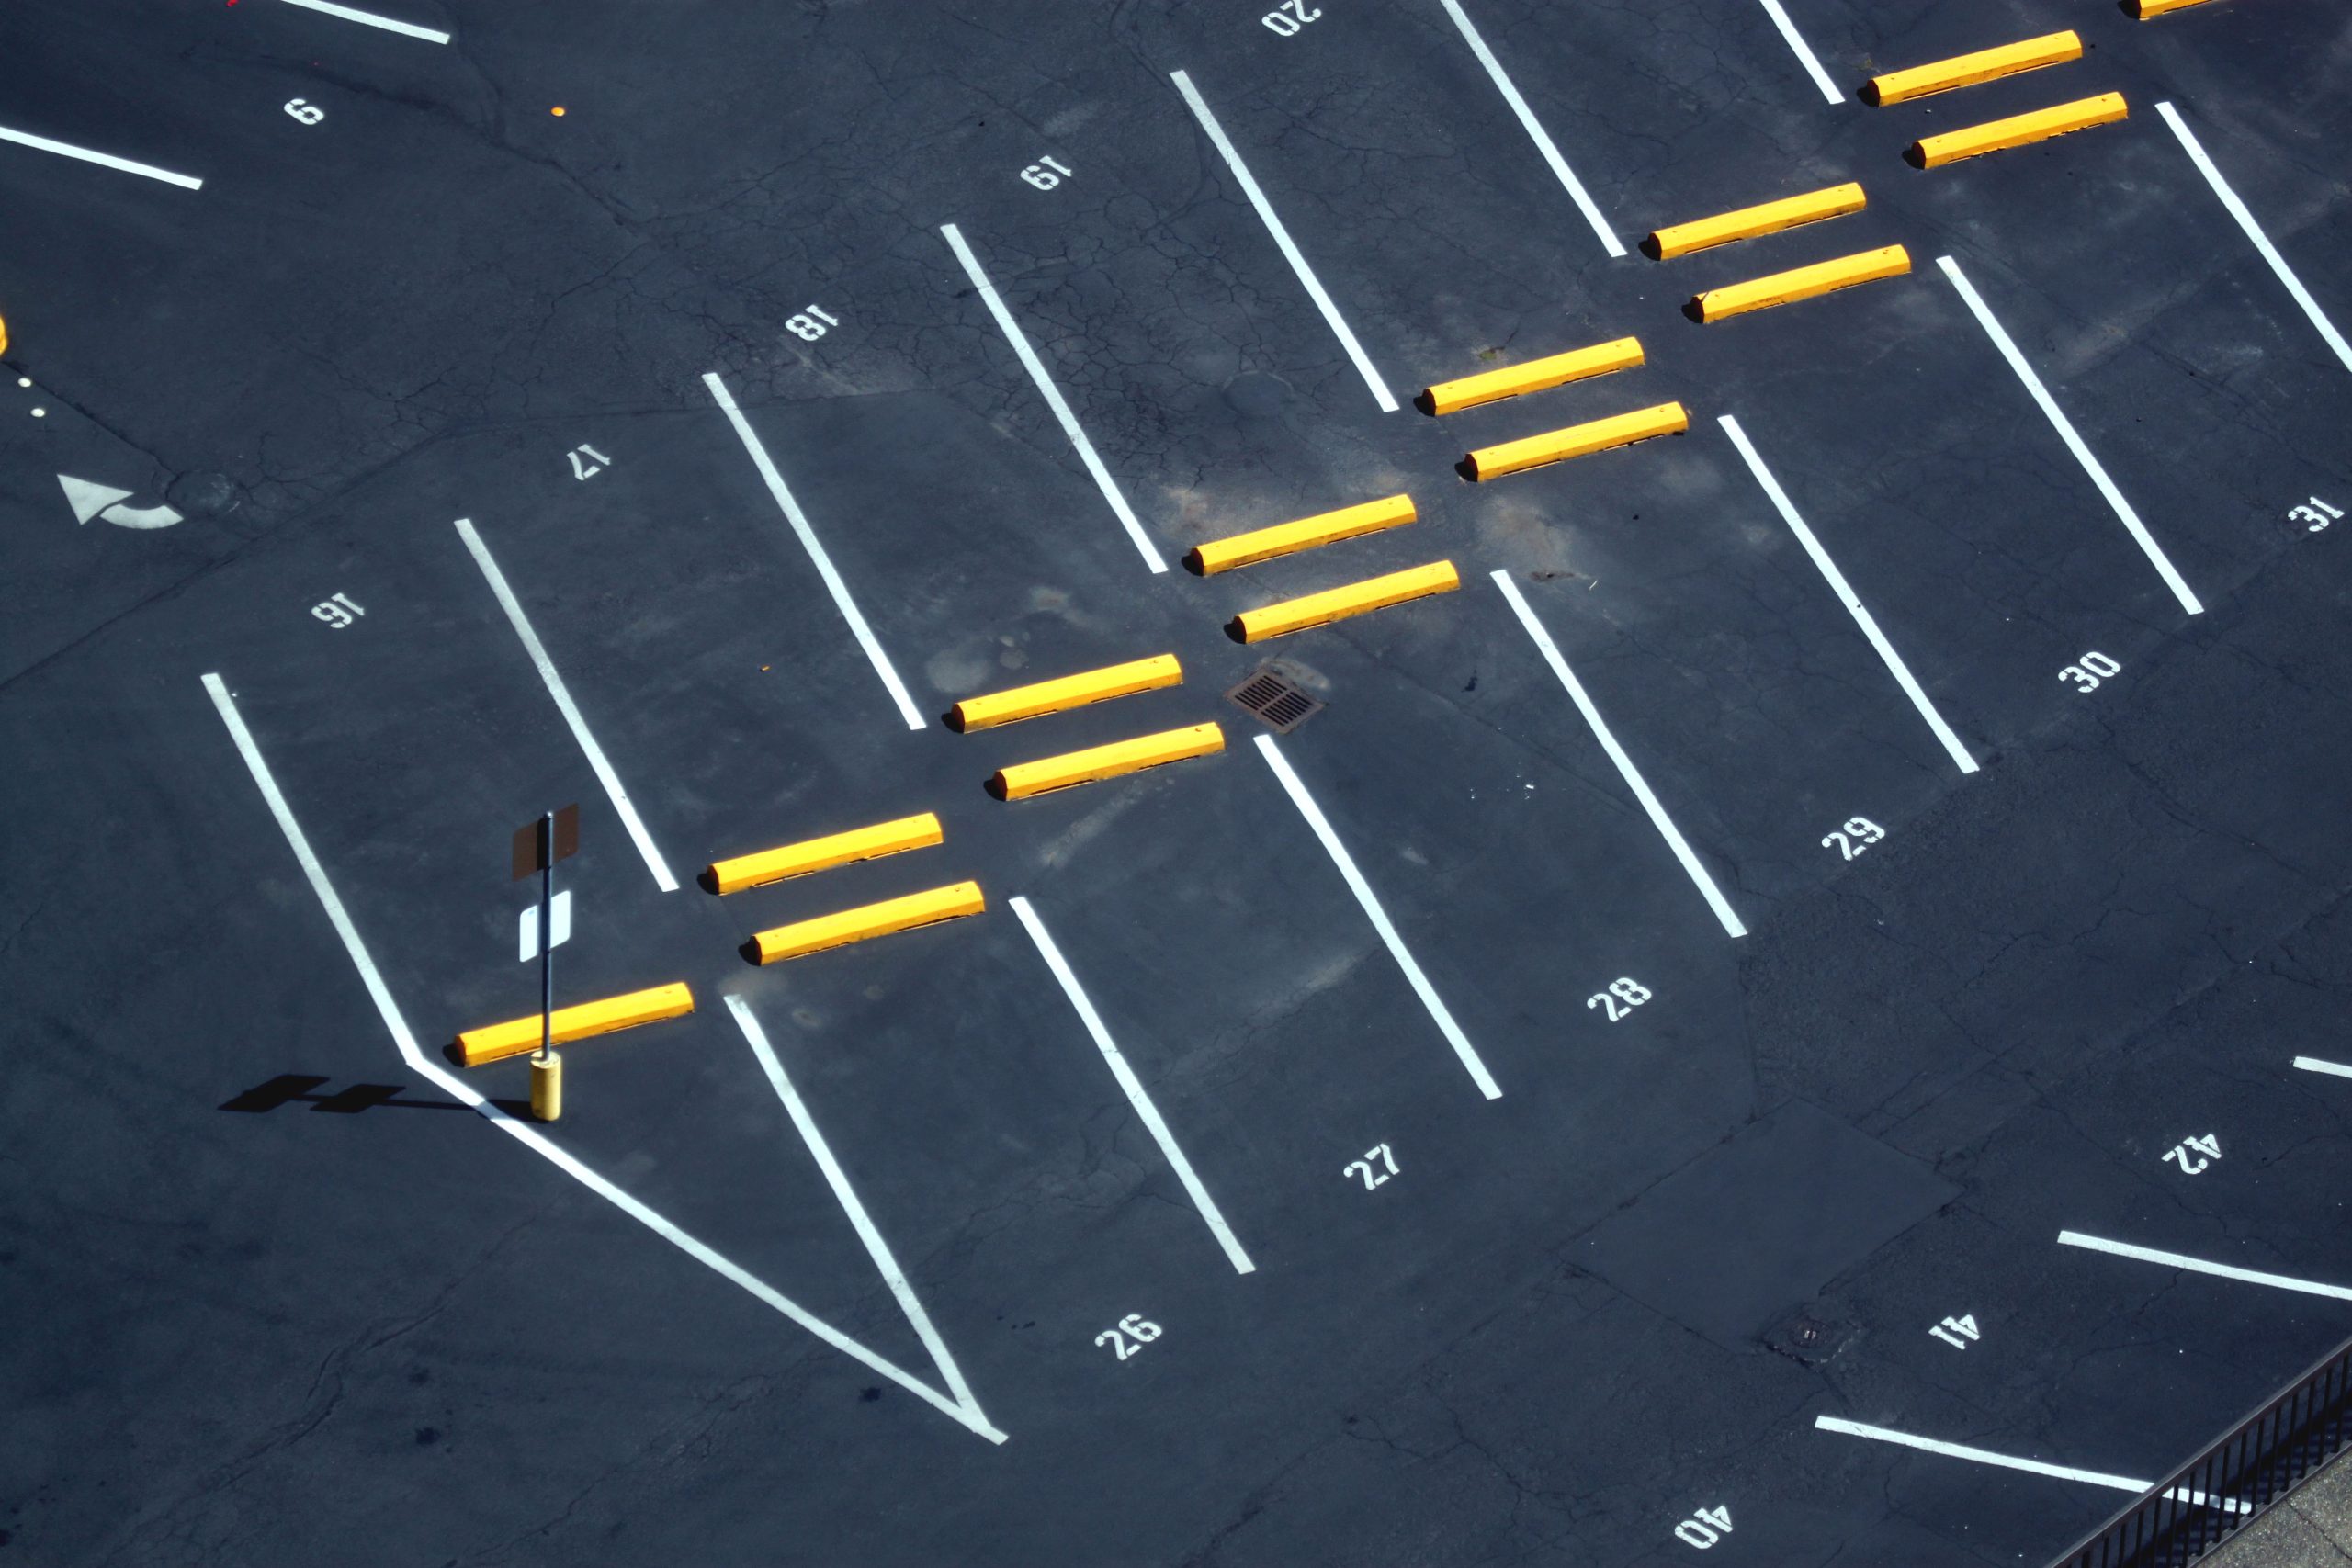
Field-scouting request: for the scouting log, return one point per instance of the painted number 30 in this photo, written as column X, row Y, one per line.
column 2089, row 671
column 1621, row 997
column 1289, row 17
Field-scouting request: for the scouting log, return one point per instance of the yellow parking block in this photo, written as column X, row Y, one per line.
column 2144, row 9
column 2017, row 131
column 496, row 1041
column 1070, row 692
column 1968, row 70
column 1749, row 223
column 1289, row 538
column 1576, row 441
column 1536, row 376
column 1802, row 283
column 803, row 937
column 821, row 854
column 1338, row 603
column 1046, row 774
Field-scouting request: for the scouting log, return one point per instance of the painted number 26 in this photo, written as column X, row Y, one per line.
column 1621, row 997
column 1135, row 1332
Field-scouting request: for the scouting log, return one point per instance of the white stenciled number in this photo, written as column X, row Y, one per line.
column 1289, row 17
column 305, row 111
column 581, row 470
column 809, row 325
column 1135, row 1331
column 1623, row 995
column 2203, row 1151
column 1045, row 174
column 1364, row 1167
column 1858, row 834
column 1703, row 1528
column 2088, row 671
column 2314, row 514
column 1957, row 1332
column 338, row 611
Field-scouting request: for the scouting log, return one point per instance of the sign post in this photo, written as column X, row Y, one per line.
column 537, row 846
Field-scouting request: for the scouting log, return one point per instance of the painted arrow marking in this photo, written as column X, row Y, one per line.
column 89, row 501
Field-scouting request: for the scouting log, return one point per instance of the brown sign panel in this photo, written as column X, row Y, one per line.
column 532, row 850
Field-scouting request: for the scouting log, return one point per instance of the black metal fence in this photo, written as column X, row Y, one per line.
column 2243, row 1471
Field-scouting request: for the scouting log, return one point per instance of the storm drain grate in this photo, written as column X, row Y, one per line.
column 1277, row 700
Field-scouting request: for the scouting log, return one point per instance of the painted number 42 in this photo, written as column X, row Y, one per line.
column 1623, row 996
column 2209, row 1147
column 1703, row 1528
column 1135, row 1332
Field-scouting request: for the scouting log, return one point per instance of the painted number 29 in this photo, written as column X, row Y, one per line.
column 1289, row 17
column 1703, row 1528
column 2314, row 514
column 1045, row 174
column 2087, row 671
column 809, row 325
column 1135, row 1332
column 1623, row 996
column 1858, row 834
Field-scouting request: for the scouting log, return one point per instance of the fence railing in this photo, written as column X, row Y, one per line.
column 2240, row 1473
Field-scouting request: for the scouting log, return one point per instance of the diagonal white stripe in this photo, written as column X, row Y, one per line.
column 106, row 160
column 1803, row 51
column 1534, row 128
column 370, row 18
column 2010, row 1461
column 2203, row 1265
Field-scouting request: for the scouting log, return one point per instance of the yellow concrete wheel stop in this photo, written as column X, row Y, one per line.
column 869, row 921
column 1534, row 375
column 2144, row 9
column 1070, row 692
column 1968, row 70
column 1289, row 538
column 915, row 832
column 1800, row 283
column 1023, row 780
column 1576, row 441
column 1288, row 615
column 2017, row 131
column 584, row 1020
column 1752, row 223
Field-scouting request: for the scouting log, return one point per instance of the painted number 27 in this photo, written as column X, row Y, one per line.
column 1135, row 1332
column 1363, row 1167
column 1858, row 834
column 1623, row 996
column 1290, row 16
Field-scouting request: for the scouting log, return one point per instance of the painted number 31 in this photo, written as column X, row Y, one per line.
column 1623, row 996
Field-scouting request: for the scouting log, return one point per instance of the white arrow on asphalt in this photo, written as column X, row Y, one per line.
column 90, row 500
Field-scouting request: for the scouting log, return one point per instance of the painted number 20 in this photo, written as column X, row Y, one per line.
column 2087, row 671
column 1135, row 1332
column 1621, row 997
column 1289, row 17
column 1858, row 834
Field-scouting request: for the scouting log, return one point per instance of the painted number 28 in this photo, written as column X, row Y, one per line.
column 1858, row 834
column 1623, row 996
column 1135, row 1332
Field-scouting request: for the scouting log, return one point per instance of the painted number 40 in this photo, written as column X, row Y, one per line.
column 1135, row 1332
column 1290, row 16
column 1623, row 996
column 1703, row 1528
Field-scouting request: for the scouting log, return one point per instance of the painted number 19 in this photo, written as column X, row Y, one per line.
column 1045, row 174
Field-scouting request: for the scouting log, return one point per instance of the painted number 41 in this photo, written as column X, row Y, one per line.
column 1703, row 1528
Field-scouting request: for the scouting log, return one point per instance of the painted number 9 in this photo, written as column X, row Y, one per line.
column 305, row 111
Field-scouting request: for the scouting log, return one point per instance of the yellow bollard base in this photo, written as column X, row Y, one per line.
column 546, row 1087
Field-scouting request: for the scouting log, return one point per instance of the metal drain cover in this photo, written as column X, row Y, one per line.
column 1278, row 701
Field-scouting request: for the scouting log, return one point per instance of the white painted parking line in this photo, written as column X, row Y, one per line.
column 570, row 709
column 825, row 563
column 1052, row 394
column 528, row 1136
column 876, row 1247
column 2203, row 1265
column 1534, row 128
column 1282, row 237
column 2065, row 428
column 1379, row 918
column 2031, row 1466
column 1846, row 597
column 2313, row 1064
column 108, row 159
column 1625, row 769
column 1132, row 1087
column 2253, row 231
column 370, row 18
column 1803, row 51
